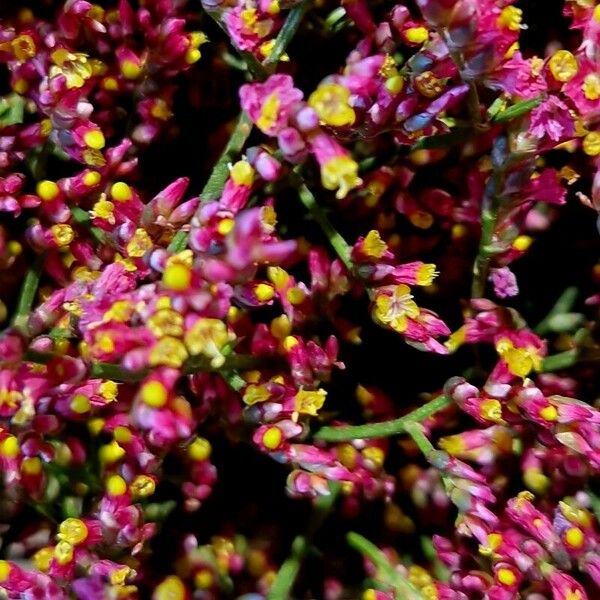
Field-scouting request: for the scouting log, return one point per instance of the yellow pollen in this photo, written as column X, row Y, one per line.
column 122, row 434
column 591, row 144
column 94, row 139
column 73, row 531
column 340, row 173
column 111, row 453
column 92, row 178
column 596, row 14
column 104, row 209
column 575, row 537
column 522, row 243
column 177, row 277
column 5, row 569
column 41, row 559
column 63, row 553
column 373, row 245
column 192, row 56
column 506, row 577
column 272, row 438
column 204, row 579
column 130, row 69
column 417, row 35
column 31, row 466
column 278, row 277
column 47, row 190
column 295, row 296
column 331, row 102
column 200, row 449
column 121, row 192
column 108, row 390
column 171, row 588
column 549, row 413
column 80, row 404
column 154, row 394
column 491, row 409
column 510, row 18
column 395, row 84
column 563, row 66
column 116, row 485
column 139, row 244
column 225, row 226
column 426, row 274
column 290, row 342
column 242, row 173
column 254, row 394
column 308, row 402
column 269, row 113
column 143, row 486
column 264, row 292
column 9, row 447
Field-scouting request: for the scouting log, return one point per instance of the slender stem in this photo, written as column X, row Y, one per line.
column 385, row 428
column 287, row 574
column 81, row 217
column 194, row 364
column 403, row 587
column 563, row 305
column 28, row 292
column 338, row 243
column 216, row 182
column 286, row 33
column 481, row 266
column 415, row 430
column 562, row 360
column 473, row 102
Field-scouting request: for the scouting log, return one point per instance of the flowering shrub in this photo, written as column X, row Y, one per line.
column 368, row 303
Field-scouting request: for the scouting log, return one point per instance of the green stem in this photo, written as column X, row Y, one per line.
column 216, row 182
column 287, row 574
column 481, row 266
column 403, row 587
column 562, row 360
column 286, row 33
column 82, row 217
column 338, row 243
column 385, row 428
column 415, row 430
column 563, row 305
column 194, row 364
column 28, row 292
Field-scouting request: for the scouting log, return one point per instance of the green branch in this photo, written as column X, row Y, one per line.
column 28, row 293
column 287, row 574
column 402, row 586
column 385, row 428
column 338, row 243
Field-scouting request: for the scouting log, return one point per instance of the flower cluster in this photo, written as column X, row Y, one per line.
column 185, row 369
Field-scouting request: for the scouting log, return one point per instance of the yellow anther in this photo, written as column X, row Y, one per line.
column 199, row 449
column 549, row 413
column 92, row 178
column 506, row 577
column 154, row 394
column 121, row 192
column 94, row 139
column 242, row 173
column 9, row 447
column 264, row 292
column 177, row 277
column 80, row 404
column 143, row 486
column 31, row 465
column 73, row 531
column 47, row 190
column 111, row 453
column 225, row 226
column 563, row 66
column 130, row 69
column 417, row 35
column 116, row 485
column 522, row 243
column 272, row 438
